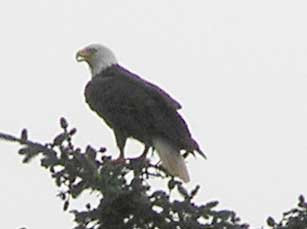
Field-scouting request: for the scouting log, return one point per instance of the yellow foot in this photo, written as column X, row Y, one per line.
column 119, row 160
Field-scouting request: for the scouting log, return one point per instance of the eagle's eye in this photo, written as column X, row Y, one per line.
column 92, row 50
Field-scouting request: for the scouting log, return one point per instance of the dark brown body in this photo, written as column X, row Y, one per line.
column 135, row 108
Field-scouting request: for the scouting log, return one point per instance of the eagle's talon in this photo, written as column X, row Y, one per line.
column 119, row 161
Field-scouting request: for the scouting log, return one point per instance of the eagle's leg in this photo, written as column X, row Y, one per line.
column 121, row 142
column 144, row 154
column 121, row 159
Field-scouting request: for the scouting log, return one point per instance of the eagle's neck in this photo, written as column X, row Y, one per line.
column 109, row 71
column 100, row 64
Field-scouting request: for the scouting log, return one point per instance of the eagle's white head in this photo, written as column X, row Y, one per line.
column 97, row 56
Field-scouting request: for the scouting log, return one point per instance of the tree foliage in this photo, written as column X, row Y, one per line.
column 295, row 218
column 125, row 196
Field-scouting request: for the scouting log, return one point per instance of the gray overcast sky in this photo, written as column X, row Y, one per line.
column 238, row 67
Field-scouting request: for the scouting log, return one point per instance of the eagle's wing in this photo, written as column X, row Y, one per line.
column 155, row 90
column 164, row 95
column 164, row 117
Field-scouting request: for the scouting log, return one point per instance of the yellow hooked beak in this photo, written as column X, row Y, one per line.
column 83, row 55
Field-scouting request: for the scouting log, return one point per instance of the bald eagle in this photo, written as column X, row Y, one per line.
column 136, row 108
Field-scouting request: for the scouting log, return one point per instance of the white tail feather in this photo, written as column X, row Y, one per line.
column 171, row 159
